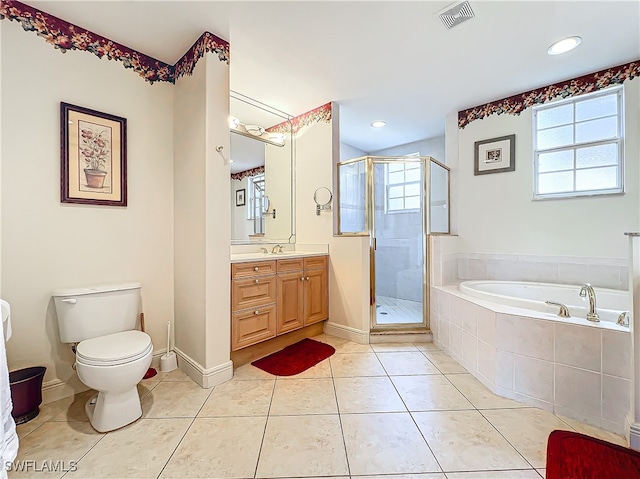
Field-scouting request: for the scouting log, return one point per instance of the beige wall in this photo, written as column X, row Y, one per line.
column 189, row 203
column 349, row 256
column 202, row 219
column 496, row 213
column 48, row 245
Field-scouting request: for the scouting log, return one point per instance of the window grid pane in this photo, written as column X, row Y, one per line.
column 403, row 186
column 581, row 156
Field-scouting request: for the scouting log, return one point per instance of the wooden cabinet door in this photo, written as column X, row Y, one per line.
column 252, row 326
column 252, row 292
column 290, row 301
column 316, row 296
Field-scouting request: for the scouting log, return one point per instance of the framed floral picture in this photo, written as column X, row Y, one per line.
column 240, row 197
column 93, row 150
column 495, row 155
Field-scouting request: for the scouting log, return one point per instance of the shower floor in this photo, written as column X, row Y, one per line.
column 397, row 311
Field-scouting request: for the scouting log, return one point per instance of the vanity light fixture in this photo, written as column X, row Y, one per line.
column 277, row 137
column 378, row 124
column 259, row 132
column 564, row 45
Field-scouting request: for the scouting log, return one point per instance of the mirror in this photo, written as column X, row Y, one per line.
column 262, row 165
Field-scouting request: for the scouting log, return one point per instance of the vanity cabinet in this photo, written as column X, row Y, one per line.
column 253, row 303
column 284, row 295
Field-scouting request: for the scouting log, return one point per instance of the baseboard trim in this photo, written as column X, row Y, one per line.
column 58, row 389
column 205, row 378
column 634, row 436
column 347, row 332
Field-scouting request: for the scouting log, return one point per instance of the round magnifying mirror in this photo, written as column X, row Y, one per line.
column 322, row 196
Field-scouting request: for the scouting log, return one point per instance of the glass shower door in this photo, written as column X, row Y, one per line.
column 399, row 243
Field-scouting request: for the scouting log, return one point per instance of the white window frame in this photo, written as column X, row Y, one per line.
column 619, row 140
column 251, row 195
column 404, row 184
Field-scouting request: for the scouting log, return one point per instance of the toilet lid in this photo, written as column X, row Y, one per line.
column 118, row 348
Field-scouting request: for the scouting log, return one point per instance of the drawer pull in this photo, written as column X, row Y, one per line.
column 256, row 312
column 256, row 268
column 257, row 281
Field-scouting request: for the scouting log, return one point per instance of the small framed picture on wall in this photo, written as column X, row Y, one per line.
column 240, row 197
column 495, row 155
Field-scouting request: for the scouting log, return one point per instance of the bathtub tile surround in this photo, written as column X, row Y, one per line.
column 450, row 266
column 304, row 427
column 580, row 371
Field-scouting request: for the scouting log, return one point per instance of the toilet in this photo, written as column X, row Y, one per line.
column 111, row 356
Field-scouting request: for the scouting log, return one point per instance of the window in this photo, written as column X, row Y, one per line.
column 578, row 146
column 257, row 200
column 403, row 187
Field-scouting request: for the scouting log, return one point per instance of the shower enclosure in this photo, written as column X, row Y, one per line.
column 397, row 202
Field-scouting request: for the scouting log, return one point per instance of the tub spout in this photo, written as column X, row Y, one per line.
column 587, row 290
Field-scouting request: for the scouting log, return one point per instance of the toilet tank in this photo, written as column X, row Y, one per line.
column 97, row 310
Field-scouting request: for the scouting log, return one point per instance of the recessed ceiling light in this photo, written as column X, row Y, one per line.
column 564, row 45
column 378, row 124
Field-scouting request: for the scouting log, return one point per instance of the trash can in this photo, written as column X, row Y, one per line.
column 26, row 393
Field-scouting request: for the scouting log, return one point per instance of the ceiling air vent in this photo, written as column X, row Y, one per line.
column 457, row 14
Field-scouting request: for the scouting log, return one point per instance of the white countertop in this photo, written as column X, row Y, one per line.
column 244, row 257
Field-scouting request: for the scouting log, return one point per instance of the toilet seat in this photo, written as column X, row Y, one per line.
column 114, row 349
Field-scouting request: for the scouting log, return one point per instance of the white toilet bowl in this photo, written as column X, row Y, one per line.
column 113, row 365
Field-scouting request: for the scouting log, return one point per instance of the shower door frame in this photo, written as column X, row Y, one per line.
column 425, row 161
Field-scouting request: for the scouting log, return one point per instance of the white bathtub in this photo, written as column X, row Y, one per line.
column 610, row 303
column 504, row 334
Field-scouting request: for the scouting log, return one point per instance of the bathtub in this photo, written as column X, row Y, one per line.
column 610, row 303
column 505, row 335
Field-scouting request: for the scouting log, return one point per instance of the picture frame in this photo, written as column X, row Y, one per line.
column 241, row 199
column 495, row 155
column 93, row 157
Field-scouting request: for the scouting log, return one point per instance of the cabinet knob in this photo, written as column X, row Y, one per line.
column 257, row 281
column 256, row 268
column 302, row 279
column 307, row 278
column 256, row 312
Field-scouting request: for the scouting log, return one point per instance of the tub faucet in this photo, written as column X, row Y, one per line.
column 588, row 290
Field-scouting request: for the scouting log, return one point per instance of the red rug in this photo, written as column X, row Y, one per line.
column 571, row 455
column 295, row 358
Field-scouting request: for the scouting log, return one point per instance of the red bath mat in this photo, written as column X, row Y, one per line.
column 295, row 358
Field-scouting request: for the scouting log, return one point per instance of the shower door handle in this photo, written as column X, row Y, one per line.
column 375, row 243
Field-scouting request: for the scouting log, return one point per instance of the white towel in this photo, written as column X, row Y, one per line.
column 8, row 435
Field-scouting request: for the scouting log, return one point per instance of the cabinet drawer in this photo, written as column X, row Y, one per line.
column 251, row 327
column 315, row 262
column 249, row 293
column 292, row 264
column 254, row 268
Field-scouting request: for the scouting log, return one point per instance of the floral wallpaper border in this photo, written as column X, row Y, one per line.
column 516, row 104
column 322, row 113
column 67, row 36
column 243, row 174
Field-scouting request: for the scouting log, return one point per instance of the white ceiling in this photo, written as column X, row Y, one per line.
column 391, row 60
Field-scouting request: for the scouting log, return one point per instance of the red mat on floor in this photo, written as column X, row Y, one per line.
column 295, row 358
column 571, row 455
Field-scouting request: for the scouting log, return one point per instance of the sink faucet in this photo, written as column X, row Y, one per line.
column 588, row 290
column 277, row 249
column 264, row 250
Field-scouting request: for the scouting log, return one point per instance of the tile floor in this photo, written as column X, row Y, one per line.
column 398, row 311
column 398, row 411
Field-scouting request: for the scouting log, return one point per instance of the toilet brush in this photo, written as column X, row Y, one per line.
column 151, row 371
column 168, row 361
